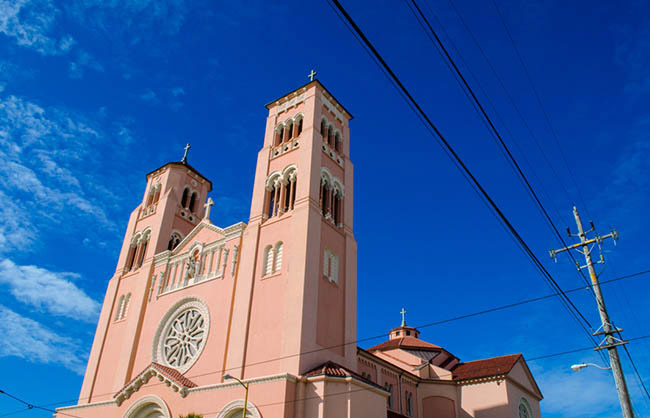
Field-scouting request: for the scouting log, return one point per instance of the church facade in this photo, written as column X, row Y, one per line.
column 205, row 319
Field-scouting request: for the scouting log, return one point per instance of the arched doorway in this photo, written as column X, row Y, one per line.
column 235, row 409
column 148, row 407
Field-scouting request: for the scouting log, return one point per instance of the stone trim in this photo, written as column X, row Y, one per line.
column 87, row 405
column 254, row 381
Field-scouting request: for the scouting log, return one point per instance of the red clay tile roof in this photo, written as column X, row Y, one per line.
column 329, row 368
column 485, row 368
column 405, row 343
column 174, row 375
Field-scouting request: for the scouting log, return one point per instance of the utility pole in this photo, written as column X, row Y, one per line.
column 610, row 342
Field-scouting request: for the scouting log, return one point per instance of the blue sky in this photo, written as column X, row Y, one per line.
column 95, row 94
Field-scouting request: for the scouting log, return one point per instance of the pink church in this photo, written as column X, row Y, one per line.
column 205, row 319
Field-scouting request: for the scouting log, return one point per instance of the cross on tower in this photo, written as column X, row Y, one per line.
column 208, row 206
column 403, row 312
column 312, row 75
column 187, row 148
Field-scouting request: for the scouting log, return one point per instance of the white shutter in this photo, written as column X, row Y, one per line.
column 326, row 263
column 268, row 260
column 126, row 306
column 334, row 273
column 278, row 256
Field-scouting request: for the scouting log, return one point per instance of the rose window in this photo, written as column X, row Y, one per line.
column 185, row 338
column 182, row 334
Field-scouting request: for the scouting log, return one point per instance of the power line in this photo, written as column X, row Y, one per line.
column 30, row 406
column 440, row 138
column 541, row 105
column 426, row 325
column 420, row 15
column 341, row 393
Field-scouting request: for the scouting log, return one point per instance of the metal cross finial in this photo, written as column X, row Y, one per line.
column 312, row 75
column 208, row 206
column 403, row 312
column 187, row 148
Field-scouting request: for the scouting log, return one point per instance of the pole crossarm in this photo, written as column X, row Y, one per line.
column 610, row 342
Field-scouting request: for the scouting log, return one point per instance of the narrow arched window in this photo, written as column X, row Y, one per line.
column 268, row 260
column 338, row 142
column 186, row 194
column 174, row 240
column 143, row 252
column 278, row 257
column 150, row 198
column 337, row 207
column 156, row 196
column 330, row 136
column 272, row 199
column 130, row 257
column 299, row 131
column 294, row 184
column 323, row 127
column 289, row 130
column 280, row 136
column 193, row 199
column 325, row 198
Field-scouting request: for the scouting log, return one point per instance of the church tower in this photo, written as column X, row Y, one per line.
column 296, row 303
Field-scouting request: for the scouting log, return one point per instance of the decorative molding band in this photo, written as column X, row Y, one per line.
column 87, row 405
column 332, row 107
column 290, row 103
column 257, row 380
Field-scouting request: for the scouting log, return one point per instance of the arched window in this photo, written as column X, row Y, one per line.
column 174, row 240
column 118, row 309
column 143, row 252
column 338, row 145
column 525, row 410
column 337, row 207
column 280, row 135
column 389, row 400
column 330, row 136
column 289, row 131
column 272, row 201
column 193, row 199
column 325, row 198
column 130, row 257
column 293, row 183
column 150, row 198
column 268, row 260
column 186, row 193
column 278, row 257
column 323, row 127
column 156, row 196
column 299, row 130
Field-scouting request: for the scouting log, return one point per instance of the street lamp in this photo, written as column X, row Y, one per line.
column 245, row 385
column 578, row 367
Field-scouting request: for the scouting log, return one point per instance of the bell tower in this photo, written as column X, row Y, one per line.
column 295, row 306
column 172, row 205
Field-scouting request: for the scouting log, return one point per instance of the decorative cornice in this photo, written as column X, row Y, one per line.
column 143, row 378
column 87, row 405
column 254, row 381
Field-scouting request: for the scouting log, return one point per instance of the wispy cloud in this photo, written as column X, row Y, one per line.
column 149, row 96
column 135, row 20
column 25, row 338
column 30, row 24
column 54, row 292
column 588, row 393
column 53, row 171
column 84, row 61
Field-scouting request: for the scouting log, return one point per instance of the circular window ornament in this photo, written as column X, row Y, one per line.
column 524, row 409
column 182, row 335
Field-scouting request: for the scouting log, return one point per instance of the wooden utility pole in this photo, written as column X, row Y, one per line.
column 610, row 342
